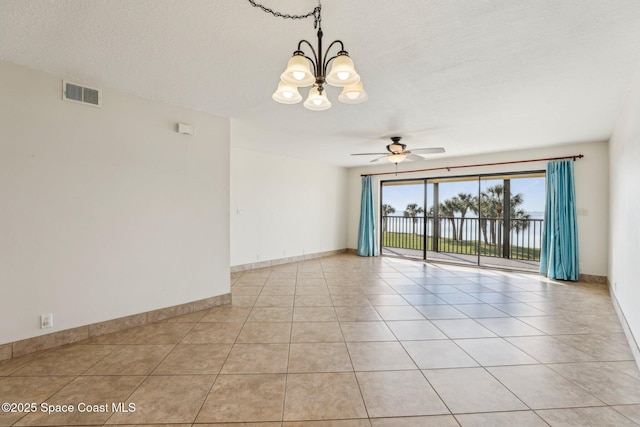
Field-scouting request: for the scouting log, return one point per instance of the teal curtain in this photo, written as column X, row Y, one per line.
column 367, row 231
column 559, row 255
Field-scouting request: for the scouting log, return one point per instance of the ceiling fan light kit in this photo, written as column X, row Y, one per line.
column 396, row 147
column 397, row 152
column 397, row 158
column 311, row 70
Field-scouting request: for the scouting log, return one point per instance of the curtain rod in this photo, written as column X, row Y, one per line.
column 448, row 168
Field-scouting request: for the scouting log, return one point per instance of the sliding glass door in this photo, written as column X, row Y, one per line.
column 456, row 236
column 403, row 221
column 490, row 220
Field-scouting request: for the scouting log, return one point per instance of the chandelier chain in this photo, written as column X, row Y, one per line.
column 315, row 13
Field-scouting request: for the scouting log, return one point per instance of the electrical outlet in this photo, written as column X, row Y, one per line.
column 46, row 320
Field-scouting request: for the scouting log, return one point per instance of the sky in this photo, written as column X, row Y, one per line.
column 399, row 196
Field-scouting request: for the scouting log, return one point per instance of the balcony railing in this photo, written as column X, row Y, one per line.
column 470, row 236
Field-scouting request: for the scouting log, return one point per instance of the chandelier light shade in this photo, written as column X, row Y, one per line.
column 287, row 94
column 310, row 69
column 353, row 94
column 343, row 72
column 317, row 101
column 298, row 72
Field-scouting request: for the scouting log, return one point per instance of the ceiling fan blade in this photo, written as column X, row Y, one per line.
column 378, row 158
column 414, row 157
column 369, row 154
column 433, row 150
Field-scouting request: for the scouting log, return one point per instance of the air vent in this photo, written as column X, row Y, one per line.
column 82, row 94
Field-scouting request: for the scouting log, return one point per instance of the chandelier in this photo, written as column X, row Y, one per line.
column 305, row 70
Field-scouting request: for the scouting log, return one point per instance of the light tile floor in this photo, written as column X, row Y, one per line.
column 348, row 341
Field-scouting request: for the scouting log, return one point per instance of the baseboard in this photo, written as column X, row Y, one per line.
column 633, row 344
column 69, row 336
column 280, row 261
column 589, row 278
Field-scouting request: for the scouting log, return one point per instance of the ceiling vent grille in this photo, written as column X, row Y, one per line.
column 82, row 94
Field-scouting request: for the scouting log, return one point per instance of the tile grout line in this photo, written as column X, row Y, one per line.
column 286, row 376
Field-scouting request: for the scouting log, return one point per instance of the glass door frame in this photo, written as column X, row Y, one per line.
column 505, row 244
column 425, row 238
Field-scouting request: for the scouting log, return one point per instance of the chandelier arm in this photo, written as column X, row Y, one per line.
column 315, row 70
column 326, row 64
column 326, row 55
column 334, row 42
column 314, row 61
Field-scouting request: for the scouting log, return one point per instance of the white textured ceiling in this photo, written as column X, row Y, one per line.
column 473, row 76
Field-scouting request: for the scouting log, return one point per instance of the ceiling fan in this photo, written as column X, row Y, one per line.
column 397, row 152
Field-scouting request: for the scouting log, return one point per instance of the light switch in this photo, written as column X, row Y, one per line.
column 185, row 129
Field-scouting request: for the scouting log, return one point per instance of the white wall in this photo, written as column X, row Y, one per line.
column 624, row 211
column 283, row 207
column 591, row 176
column 105, row 212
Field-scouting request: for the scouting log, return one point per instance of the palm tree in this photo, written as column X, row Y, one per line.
column 386, row 211
column 412, row 211
column 463, row 202
column 494, row 206
column 448, row 210
column 519, row 220
column 493, row 196
column 481, row 208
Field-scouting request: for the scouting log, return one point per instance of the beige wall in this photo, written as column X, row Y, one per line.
column 591, row 175
column 105, row 212
column 283, row 207
column 624, row 211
